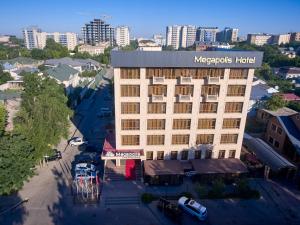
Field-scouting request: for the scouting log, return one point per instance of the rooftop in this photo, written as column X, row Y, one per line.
column 290, row 97
column 281, row 112
column 71, row 62
column 20, row 60
column 291, row 70
column 62, row 72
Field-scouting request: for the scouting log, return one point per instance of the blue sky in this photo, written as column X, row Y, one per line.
column 152, row 16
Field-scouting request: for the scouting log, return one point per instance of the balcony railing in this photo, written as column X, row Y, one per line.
column 184, row 98
column 158, row 80
column 211, row 98
column 185, row 80
column 157, row 98
column 213, row 80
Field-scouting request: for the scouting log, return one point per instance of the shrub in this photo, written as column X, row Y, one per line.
column 147, row 198
column 243, row 190
column 201, row 190
column 217, row 189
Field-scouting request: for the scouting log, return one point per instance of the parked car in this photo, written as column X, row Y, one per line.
column 170, row 210
column 88, row 175
column 89, row 157
column 77, row 141
column 55, row 156
column 84, row 167
column 193, row 208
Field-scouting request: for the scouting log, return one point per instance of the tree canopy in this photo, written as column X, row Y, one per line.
column 275, row 102
column 2, row 119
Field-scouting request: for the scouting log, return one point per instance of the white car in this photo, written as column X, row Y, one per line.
column 77, row 141
column 192, row 207
column 85, row 167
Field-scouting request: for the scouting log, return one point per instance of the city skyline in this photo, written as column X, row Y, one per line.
column 146, row 20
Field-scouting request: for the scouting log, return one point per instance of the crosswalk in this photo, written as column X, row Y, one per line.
column 122, row 200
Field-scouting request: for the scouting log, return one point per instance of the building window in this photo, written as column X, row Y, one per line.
column 229, row 138
column 208, row 154
column 231, row 154
column 208, row 107
column 155, row 139
column 130, row 73
column 184, row 72
column 181, row 124
column 130, row 108
column 184, row 155
column 234, row 107
column 221, row 154
column 156, row 107
column 238, row 74
column 273, row 127
column 180, row 139
column 206, row 123
column 210, row 90
column 204, row 139
column 276, row 144
column 271, row 140
column 209, row 72
column 174, row 155
column 160, row 155
column 230, row 123
column 130, row 124
column 184, row 90
column 279, row 130
column 156, row 124
column 130, row 139
column 157, row 90
column 154, row 72
column 149, row 155
column 236, row 90
column 130, row 90
column 183, row 107
column 197, row 154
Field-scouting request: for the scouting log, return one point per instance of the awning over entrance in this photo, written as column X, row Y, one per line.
column 266, row 154
column 218, row 166
column 110, row 151
column 163, row 167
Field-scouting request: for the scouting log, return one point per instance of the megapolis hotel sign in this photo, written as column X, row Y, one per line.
column 224, row 60
column 124, row 155
column 186, row 59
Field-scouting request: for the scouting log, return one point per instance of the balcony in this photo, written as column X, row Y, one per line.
column 184, row 98
column 213, row 80
column 158, row 98
column 158, row 80
column 185, row 80
column 211, row 98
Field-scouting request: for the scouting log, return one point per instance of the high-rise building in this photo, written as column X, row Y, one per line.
column 35, row 38
column 295, row 36
column 97, row 31
column 228, row 35
column 159, row 39
column 122, row 36
column 181, row 36
column 281, row 39
column 206, row 34
column 179, row 105
column 259, row 39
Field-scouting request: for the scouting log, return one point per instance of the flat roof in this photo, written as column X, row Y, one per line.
column 163, row 167
column 192, row 59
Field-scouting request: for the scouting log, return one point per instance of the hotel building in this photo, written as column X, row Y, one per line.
column 180, row 105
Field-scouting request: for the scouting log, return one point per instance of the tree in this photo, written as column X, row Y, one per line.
column 275, row 102
column 38, row 54
column 294, row 105
column 4, row 77
column 16, row 162
column 2, row 119
column 43, row 117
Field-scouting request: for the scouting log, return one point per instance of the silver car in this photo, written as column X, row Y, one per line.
column 192, row 207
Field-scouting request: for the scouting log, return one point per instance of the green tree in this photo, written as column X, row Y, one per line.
column 294, row 105
column 43, row 117
column 4, row 76
column 16, row 162
column 275, row 102
column 2, row 119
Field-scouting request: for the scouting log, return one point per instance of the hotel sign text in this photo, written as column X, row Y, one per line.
column 224, row 60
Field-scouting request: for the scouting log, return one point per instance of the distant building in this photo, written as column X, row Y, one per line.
column 148, row 45
column 228, row 35
column 289, row 72
column 290, row 97
column 289, row 52
column 212, row 46
column 94, row 50
column 4, row 38
column 206, row 34
column 35, row 38
column 98, row 31
column 263, row 115
column 159, row 39
column 180, row 36
column 259, row 39
column 281, row 39
column 122, row 36
column 295, row 36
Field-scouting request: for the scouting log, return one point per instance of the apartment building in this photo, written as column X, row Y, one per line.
column 35, row 38
column 260, row 39
column 295, row 36
column 122, row 36
column 159, row 39
column 181, row 36
column 228, row 35
column 180, row 105
column 281, row 39
column 206, row 34
column 94, row 50
column 98, row 31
